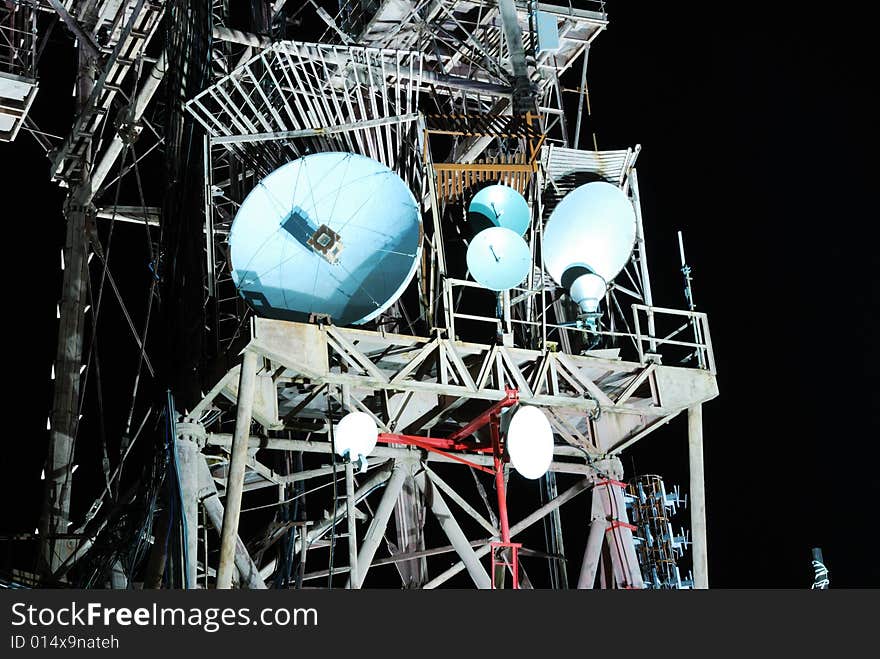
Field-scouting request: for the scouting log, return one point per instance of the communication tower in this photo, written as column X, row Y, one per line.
column 383, row 263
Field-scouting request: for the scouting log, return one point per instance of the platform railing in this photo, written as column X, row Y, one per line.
column 692, row 334
column 674, row 337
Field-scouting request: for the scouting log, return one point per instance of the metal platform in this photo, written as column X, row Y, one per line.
column 413, row 384
column 16, row 95
column 598, row 406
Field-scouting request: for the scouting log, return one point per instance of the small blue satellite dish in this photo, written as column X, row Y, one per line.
column 337, row 234
column 498, row 258
column 499, row 206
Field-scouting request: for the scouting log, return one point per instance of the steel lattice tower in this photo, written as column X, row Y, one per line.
column 182, row 108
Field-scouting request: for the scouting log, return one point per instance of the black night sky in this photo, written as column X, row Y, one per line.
column 756, row 134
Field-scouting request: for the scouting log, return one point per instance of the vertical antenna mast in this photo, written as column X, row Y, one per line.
column 686, row 271
column 689, row 298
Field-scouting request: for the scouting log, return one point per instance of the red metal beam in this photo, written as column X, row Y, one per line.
column 511, row 397
column 442, row 445
column 429, row 444
column 499, row 480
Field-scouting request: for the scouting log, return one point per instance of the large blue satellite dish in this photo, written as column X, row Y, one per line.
column 330, row 233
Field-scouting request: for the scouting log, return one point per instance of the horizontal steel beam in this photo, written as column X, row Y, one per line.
column 315, row 132
column 426, row 77
column 225, row 440
column 132, row 214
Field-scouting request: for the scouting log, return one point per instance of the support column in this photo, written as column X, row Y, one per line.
column 65, row 409
column 697, row 497
column 408, row 516
column 456, row 536
column 592, row 554
column 354, row 581
column 523, row 99
column 249, row 573
column 188, row 457
column 235, row 473
column 376, row 532
column 68, row 357
column 118, row 578
column 610, row 503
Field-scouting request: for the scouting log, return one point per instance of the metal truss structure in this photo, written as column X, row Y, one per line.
column 18, row 83
column 451, row 95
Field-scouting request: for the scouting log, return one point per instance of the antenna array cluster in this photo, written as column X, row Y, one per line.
column 658, row 547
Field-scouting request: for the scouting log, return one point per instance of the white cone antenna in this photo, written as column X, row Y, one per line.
column 588, row 240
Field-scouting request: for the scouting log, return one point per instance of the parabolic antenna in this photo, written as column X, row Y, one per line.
column 498, row 258
column 356, row 434
column 499, row 206
column 588, row 240
column 331, row 233
column 530, row 442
